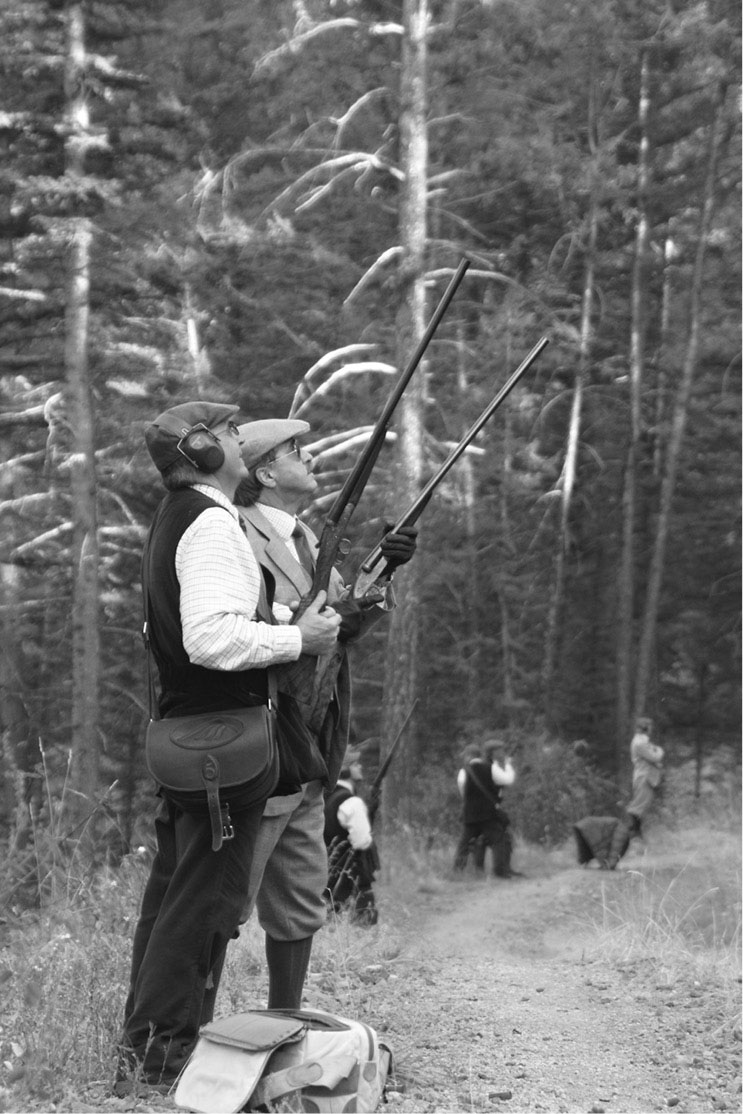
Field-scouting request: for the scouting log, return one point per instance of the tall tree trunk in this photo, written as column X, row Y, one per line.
column 626, row 579
column 678, row 423
column 471, row 610
column 402, row 652
column 508, row 691
column 569, row 469
column 85, row 632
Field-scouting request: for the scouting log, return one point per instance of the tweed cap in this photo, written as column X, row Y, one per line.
column 163, row 435
column 261, row 437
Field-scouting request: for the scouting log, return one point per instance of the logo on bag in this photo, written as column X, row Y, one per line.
column 207, row 735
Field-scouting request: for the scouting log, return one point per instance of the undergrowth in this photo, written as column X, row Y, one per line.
column 64, row 965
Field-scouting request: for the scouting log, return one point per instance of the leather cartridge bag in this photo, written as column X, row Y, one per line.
column 216, row 763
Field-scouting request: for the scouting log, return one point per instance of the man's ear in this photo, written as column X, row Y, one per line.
column 264, row 476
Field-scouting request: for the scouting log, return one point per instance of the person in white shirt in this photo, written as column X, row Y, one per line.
column 213, row 638
column 647, row 774
column 353, row 858
column 346, row 814
column 290, row 867
column 486, row 770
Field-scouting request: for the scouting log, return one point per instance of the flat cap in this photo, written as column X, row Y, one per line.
column 163, row 435
column 260, row 438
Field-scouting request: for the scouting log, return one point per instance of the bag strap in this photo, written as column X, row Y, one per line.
column 326, row 1072
column 490, row 791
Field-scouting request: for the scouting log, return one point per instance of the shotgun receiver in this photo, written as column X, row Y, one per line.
column 299, row 678
column 365, row 582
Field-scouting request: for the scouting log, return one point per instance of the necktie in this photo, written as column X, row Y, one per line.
column 303, row 549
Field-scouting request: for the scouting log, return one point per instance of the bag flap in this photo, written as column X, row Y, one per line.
column 229, row 1059
column 254, row 1031
column 219, row 1078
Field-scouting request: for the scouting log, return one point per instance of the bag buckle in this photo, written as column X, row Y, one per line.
column 228, row 830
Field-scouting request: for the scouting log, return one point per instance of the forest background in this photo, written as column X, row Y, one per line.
column 261, row 202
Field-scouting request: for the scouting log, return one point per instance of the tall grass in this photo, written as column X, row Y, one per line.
column 64, row 964
column 682, row 923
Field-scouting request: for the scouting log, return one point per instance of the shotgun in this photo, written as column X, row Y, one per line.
column 375, row 792
column 366, row 585
column 345, row 503
column 298, row 679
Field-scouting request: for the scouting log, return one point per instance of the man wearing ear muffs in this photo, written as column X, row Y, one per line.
column 214, row 639
column 290, row 868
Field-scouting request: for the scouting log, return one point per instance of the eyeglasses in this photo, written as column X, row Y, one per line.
column 295, row 448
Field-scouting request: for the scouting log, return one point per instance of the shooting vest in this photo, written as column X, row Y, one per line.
column 481, row 795
column 189, row 689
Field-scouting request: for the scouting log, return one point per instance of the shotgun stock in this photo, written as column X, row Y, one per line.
column 366, row 584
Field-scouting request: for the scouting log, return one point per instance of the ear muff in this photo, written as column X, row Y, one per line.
column 201, row 448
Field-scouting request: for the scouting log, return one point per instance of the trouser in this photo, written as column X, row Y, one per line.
column 501, row 842
column 493, row 832
column 190, row 910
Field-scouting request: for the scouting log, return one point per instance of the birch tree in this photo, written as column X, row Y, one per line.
column 402, row 664
column 85, row 550
column 678, row 417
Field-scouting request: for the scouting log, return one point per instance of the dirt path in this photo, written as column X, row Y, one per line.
column 497, row 996
column 501, row 1001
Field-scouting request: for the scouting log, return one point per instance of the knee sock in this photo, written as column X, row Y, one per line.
column 288, row 961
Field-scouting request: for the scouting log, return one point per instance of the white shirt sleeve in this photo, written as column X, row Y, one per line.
column 503, row 775
column 220, row 584
column 461, row 779
column 354, row 817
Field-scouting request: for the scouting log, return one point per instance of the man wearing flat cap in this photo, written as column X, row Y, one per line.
column 290, row 869
column 213, row 637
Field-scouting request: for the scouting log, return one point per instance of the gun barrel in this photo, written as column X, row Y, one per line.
column 359, row 474
column 415, row 510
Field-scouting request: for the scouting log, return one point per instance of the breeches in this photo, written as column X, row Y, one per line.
column 642, row 798
column 290, row 866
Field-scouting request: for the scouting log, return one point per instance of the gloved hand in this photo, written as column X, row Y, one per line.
column 398, row 548
column 351, row 613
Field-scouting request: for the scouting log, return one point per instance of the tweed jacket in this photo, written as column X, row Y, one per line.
column 292, row 583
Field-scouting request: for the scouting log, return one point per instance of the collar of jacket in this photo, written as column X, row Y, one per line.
column 275, row 551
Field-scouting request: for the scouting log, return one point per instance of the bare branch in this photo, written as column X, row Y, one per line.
column 26, row 295
column 295, row 44
column 333, row 439
column 34, row 415
column 303, row 388
column 370, row 275
column 344, row 373
column 26, row 502
column 344, row 121
column 41, row 539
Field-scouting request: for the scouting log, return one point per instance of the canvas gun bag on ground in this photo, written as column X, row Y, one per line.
column 214, row 764
column 289, row 1060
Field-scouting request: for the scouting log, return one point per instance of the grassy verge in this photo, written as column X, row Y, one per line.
column 64, row 966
